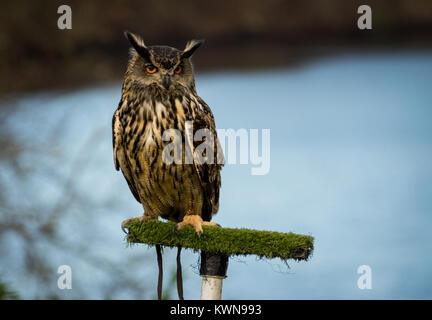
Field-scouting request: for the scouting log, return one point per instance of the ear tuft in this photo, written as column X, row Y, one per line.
column 191, row 46
column 138, row 44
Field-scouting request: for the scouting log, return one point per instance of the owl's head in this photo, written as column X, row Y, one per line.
column 164, row 66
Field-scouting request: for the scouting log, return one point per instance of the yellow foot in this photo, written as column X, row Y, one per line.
column 127, row 221
column 195, row 221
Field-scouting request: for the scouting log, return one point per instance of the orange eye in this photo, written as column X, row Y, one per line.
column 151, row 69
column 178, row 70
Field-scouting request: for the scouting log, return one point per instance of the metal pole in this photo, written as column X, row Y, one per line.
column 213, row 271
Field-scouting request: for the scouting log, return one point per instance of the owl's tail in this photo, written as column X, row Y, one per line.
column 179, row 275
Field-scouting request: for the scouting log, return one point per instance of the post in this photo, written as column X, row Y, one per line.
column 213, row 271
column 217, row 244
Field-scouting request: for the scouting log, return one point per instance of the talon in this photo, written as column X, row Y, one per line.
column 123, row 226
column 127, row 221
column 141, row 220
column 175, row 227
column 195, row 221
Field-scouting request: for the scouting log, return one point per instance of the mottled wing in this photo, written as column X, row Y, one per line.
column 120, row 160
column 208, row 169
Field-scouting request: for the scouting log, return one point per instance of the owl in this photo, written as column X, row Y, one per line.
column 159, row 95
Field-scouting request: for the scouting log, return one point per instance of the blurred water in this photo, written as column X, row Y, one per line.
column 351, row 156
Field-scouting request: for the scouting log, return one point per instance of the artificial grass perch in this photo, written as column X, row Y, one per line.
column 229, row 241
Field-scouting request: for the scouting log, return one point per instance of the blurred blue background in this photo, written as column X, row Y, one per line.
column 349, row 113
column 351, row 158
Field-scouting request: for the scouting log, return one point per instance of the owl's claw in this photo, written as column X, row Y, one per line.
column 141, row 222
column 175, row 227
column 195, row 221
column 123, row 226
column 127, row 221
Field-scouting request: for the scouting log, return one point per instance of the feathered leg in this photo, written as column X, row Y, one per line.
column 159, row 260
column 179, row 275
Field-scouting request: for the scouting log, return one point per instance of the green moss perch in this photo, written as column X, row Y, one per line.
column 264, row 244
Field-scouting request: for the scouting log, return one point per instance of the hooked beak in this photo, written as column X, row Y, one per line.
column 166, row 81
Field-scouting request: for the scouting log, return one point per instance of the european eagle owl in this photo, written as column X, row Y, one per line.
column 158, row 95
